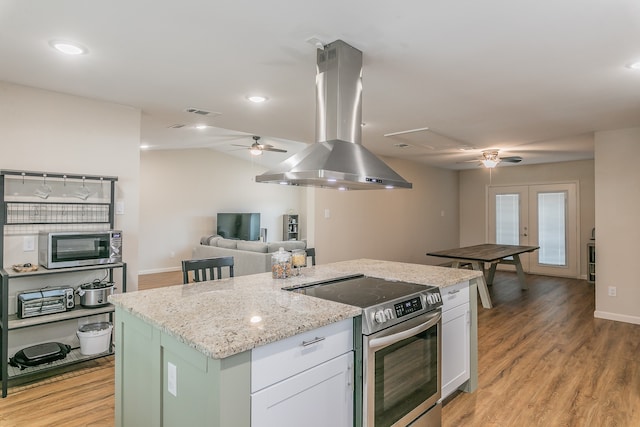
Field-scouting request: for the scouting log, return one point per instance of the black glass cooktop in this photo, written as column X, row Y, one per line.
column 361, row 291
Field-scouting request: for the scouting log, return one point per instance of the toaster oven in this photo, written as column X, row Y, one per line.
column 45, row 301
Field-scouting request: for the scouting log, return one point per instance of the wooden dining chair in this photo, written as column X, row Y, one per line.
column 200, row 267
column 311, row 252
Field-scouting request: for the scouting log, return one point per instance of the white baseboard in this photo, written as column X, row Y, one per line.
column 159, row 270
column 617, row 317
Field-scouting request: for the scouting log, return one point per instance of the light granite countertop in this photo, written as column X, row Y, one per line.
column 225, row 317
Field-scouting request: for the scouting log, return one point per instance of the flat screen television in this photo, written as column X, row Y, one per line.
column 242, row 226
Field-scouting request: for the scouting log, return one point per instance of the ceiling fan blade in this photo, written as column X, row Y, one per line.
column 275, row 150
column 511, row 159
column 238, row 145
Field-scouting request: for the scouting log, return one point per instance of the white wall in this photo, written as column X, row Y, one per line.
column 183, row 190
column 54, row 132
column 473, row 196
column 395, row 225
column 617, row 232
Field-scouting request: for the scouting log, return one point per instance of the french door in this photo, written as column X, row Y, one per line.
column 542, row 215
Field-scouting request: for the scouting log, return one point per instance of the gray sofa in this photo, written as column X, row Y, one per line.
column 249, row 257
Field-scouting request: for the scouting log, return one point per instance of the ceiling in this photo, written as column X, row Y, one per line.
column 533, row 78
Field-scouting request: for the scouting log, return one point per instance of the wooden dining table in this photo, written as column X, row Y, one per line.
column 488, row 253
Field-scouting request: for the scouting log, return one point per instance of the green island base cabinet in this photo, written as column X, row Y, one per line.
column 284, row 375
column 286, row 383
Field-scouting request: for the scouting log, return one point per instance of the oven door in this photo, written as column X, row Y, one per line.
column 401, row 367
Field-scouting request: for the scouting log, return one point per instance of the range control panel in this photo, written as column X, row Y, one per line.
column 407, row 307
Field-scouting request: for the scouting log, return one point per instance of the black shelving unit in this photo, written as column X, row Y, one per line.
column 41, row 214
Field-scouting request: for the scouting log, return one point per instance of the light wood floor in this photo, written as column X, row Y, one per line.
column 543, row 361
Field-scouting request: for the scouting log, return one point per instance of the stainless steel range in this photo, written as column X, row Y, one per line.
column 401, row 347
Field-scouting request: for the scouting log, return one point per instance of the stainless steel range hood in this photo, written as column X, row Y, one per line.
column 338, row 159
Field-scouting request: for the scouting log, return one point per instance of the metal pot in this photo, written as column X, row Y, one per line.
column 94, row 294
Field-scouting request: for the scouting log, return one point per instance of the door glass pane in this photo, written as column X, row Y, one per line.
column 551, row 228
column 507, row 219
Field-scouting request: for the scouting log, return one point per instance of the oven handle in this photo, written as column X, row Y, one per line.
column 431, row 319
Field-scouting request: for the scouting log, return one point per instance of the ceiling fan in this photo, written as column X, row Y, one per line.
column 491, row 158
column 256, row 148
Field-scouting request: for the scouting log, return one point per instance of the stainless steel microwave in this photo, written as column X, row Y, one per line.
column 76, row 249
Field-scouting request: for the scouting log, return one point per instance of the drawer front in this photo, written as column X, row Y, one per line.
column 453, row 296
column 277, row 361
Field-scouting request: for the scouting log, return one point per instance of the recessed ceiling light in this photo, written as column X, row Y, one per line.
column 69, row 48
column 144, row 146
column 634, row 65
column 201, row 127
column 257, row 98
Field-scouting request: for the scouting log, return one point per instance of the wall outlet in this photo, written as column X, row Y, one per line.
column 612, row 291
column 172, row 379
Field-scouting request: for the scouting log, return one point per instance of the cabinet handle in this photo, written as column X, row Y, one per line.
column 313, row 341
column 455, row 291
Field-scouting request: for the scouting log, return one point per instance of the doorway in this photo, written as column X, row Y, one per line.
column 544, row 215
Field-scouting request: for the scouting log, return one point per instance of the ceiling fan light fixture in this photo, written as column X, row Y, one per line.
column 255, row 152
column 490, row 163
column 490, row 159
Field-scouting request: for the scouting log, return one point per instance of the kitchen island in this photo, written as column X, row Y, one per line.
column 186, row 350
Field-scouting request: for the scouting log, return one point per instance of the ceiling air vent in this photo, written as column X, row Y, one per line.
column 176, row 126
column 198, row 111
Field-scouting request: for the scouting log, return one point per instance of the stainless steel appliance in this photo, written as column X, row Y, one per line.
column 44, row 301
column 338, row 159
column 401, row 347
column 75, row 249
column 95, row 294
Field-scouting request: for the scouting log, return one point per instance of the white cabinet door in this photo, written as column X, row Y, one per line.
column 318, row 397
column 455, row 348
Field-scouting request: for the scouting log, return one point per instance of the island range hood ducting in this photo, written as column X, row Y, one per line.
column 338, row 159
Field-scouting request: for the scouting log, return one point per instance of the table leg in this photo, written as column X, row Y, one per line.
column 482, row 286
column 492, row 273
column 520, row 271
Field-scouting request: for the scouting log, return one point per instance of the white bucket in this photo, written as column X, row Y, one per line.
column 94, row 338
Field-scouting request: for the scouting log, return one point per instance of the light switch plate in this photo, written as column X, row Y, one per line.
column 29, row 243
